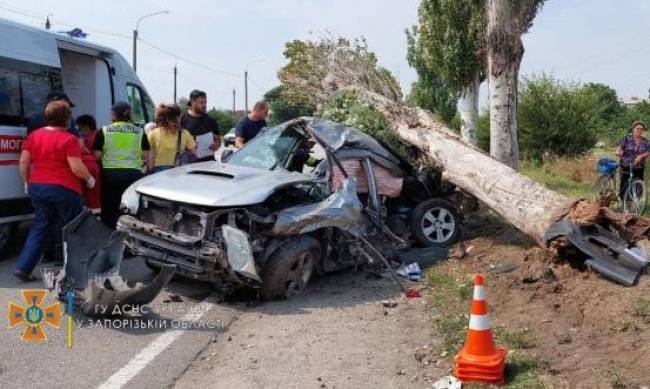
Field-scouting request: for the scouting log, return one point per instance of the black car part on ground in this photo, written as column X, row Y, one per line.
column 606, row 253
column 92, row 257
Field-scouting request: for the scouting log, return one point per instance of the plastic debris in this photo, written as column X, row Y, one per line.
column 412, row 293
column 448, row 382
column 411, row 271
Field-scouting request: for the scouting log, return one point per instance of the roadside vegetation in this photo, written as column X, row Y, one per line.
column 450, row 298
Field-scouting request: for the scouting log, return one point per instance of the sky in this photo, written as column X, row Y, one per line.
column 575, row 40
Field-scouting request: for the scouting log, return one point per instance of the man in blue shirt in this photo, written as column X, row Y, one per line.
column 250, row 125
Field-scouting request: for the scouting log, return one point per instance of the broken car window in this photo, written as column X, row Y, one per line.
column 268, row 150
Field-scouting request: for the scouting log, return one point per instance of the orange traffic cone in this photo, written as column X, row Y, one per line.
column 480, row 360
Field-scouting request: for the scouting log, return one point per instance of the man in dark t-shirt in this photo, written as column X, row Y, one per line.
column 203, row 128
column 38, row 120
column 250, row 125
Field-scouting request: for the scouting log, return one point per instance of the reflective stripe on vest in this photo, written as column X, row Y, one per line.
column 122, row 146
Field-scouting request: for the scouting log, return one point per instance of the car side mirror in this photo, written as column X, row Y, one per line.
column 226, row 153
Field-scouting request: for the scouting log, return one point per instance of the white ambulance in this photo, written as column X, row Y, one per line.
column 34, row 62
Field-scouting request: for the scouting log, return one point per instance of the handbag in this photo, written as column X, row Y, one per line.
column 183, row 157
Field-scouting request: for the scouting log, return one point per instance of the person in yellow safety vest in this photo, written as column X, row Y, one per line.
column 123, row 149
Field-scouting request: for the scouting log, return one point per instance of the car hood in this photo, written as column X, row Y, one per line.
column 214, row 184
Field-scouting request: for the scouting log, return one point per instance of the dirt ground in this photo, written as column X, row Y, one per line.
column 573, row 329
column 587, row 331
column 339, row 334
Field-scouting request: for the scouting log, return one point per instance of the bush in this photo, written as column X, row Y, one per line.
column 483, row 131
column 224, row 120
column 555, row 118
column 281, row 109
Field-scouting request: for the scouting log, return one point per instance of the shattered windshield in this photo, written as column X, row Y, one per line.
column 268, row 150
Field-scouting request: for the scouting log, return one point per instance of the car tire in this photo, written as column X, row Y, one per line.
column 435, row 223
column 7, row 233
column 290, row 268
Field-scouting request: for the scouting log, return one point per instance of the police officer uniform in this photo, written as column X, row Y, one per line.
column 122, row 145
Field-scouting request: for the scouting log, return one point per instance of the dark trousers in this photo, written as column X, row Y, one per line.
column 625, row 176
column 114, row 183
column 54, row 207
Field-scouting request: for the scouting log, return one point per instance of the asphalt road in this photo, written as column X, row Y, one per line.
column 114, row 354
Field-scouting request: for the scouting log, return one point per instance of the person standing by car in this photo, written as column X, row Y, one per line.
column 633, row 150
column 168, row 140
column 122, row 147
column 88, row 131
column 51, row 167
column 38, row 120
column 201, row 126
column 250, row 125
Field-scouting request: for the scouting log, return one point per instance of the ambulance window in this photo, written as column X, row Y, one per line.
column 9, row 97
column 134, row 95
column 35, row 88
column 149, row 108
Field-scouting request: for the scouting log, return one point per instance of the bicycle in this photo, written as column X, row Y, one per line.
column 635, row 198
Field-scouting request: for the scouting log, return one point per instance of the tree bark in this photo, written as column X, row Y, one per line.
column 504, row 53
column 468, row 110
column 529, row 206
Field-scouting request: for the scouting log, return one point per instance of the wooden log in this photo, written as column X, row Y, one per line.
column 529, row 206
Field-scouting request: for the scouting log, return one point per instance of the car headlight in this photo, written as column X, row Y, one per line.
column 130, row 201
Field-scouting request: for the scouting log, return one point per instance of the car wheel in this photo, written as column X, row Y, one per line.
column 290, row 268
column 435, row 222
column 7, row 232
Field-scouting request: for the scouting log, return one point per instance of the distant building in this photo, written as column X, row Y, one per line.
column 632, row 101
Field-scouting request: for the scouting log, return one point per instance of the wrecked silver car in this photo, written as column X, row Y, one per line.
column 308, row 196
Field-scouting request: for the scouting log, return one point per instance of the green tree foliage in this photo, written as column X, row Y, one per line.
column 346, row 107
column 448, row 41
column 445, row 49
column 305, row 76
column 282, row 109
column 556, row 118
column 224, row 119
column 608, row 107
column 483, row 131
column 434, row 96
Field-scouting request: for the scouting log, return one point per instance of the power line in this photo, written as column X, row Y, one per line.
column 189, row 61
column 256, row 84
column 61, row 22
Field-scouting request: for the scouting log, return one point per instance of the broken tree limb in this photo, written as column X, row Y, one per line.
column 529, row 206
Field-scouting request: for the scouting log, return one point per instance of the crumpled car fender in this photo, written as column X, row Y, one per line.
column 92, row 257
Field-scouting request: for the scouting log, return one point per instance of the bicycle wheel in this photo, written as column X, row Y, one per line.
column 635, row 198
column 605, row 187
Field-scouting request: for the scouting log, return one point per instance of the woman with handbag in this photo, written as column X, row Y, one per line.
column 171, row 146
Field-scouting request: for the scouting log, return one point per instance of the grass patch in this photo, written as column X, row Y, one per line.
column 617, row 378
column 572, row 177
column 641, row 309
column 450, row 299
column 523, row 371
column 519, row 339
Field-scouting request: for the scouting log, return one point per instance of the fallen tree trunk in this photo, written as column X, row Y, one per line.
column 529, row 206
column 555, row 221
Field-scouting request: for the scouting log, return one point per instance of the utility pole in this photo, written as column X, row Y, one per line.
column 135, row 51
column 246, row 91
column 234, row 113
column 175, row 76
column 135, row 36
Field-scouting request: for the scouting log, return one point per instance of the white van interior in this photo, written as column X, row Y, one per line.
column 86, row 80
